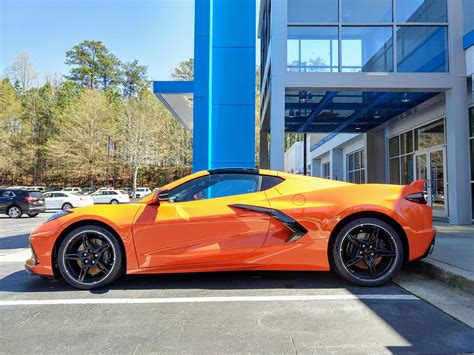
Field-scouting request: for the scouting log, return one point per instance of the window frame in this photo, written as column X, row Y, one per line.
column 359, row 170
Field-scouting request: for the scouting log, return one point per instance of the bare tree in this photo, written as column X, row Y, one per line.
column 139, row 127
column 22, row 73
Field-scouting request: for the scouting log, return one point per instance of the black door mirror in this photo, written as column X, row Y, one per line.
column 163, row 196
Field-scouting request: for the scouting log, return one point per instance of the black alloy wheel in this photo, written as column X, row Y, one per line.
column 367, row 252
column 90, row 257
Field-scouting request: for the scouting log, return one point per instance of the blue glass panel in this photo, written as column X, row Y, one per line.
column 312, row 11
column 367, row 49
column 371, row 11
column 312, row 49
column 421, row 11
column 422, row 49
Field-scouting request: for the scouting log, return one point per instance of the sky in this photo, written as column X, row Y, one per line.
column 159, row 33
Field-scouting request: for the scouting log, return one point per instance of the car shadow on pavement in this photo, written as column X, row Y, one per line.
column 14, row 241
column 21, row 282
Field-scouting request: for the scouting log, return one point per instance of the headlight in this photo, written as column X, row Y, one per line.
column 58, row 214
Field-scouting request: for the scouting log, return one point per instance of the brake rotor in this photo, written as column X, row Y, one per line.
column 93, row 270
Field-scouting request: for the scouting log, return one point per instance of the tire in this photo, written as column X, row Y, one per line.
column 367, row 252
column 14, row 211
column 90, row 257
column 32, row 214
column 114, row 202
column 67, row 206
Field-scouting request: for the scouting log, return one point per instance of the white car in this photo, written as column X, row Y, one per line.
column 142, row 192
column 63, row 200
column 110, row 196
column 72, row 189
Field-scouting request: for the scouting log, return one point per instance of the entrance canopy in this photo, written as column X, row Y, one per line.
column 178, row 97
column 334, row 112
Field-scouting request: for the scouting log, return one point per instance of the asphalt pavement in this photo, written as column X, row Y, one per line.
column 231, row 312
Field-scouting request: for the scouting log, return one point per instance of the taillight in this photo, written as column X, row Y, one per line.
column 416, row 198
column 30, row 199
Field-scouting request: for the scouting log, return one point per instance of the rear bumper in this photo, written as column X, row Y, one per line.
column 421, row 243
column 35, row 209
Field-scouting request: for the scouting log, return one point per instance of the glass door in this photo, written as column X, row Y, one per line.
column 429, row 165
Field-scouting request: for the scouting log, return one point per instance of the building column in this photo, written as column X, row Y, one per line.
column 264, row 163
column 316, row 167
column 457, row 126
column 459, row 200
column 375, row 157
column 336, row 157
column 278, row 36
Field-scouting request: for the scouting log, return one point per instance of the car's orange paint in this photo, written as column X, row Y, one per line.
column 208, row 235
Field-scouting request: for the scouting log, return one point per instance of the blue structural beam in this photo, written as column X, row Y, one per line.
column 224, row 84
column 173, row 87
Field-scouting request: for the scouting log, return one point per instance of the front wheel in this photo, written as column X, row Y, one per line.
column 114, row 202
column 90, row 257
column 66, row 206
column 367, row 252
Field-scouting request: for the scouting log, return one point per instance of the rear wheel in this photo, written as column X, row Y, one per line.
column 67, row 206
column 114, row 202
column 90, row 257
column 14, row 212
column 367, row 252
column 32, row 214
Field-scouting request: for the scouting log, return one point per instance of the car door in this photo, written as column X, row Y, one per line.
column 6, row 198
column 99, row 197
column 198, row 224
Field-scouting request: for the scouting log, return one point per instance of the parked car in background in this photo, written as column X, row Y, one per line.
column 15, row 202
column 72, row 189
column 64, row 200
column 36, row 188
column 113, row 197
column 142, row 192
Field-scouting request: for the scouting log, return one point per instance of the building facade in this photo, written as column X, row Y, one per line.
column 382, row 87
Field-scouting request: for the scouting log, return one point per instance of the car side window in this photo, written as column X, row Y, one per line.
column 7, row 194
column 214, row 186
column 270, row 181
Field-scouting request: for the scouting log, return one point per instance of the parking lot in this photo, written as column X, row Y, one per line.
column 269, row 312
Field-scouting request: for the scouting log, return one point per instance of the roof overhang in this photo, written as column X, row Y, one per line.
column 177, row 96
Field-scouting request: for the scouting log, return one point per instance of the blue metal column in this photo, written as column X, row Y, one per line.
column 224, row 84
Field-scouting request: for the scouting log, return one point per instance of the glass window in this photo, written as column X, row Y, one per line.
column 312, row 49
column 429, row 135
column 270, row 181
column 393, row 147
column 312, row 11
column 394, row 166
column 356, row 164
column 421, row 11
column 472, row 159
column 214, row 186
column 471, row 120
column 326, row 170
column 407, row 169
column 406, row 141
column 422, row 49
column 367, row 49
column 366, row 11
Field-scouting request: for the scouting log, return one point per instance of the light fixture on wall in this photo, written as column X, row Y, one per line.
column 405, row 97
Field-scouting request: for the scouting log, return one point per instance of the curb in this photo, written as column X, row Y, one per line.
column 449, row 275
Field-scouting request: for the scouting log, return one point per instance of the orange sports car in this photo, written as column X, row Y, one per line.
column 240, row 219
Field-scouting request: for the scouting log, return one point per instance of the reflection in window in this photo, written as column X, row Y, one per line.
column 372, row 11
column 407, row 169
column 429, row 135
column 367, row 49
column 326, row 170
column 393, row 147
column 356, row 167
column 312, row 11
column 422, row 49
column 421, row 11
column 312, row 49
column 394, row 167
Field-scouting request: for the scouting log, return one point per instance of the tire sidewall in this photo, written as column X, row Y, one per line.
column 114, row 202
column 114, row 273
column 65, row 206
column 346, row 274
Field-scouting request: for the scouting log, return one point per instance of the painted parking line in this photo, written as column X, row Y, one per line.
column 288, row 298
column 14, row 255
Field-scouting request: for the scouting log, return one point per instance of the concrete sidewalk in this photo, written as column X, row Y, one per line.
column 452, row 261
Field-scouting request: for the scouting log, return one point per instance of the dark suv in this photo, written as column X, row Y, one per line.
column 15, row 202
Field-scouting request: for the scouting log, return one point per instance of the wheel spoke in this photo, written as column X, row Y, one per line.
column 354, row 261
column 384, row 252
column 372, row 267
column 86, row 242
column 373, row 236
column 72, row 257
column 101, row 248
column 103, row 267
column 354, row 240
column 83, row 273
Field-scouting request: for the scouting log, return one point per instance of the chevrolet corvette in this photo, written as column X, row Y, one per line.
column 240, row 219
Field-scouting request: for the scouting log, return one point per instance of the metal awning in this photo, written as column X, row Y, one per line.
column 178, row 98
